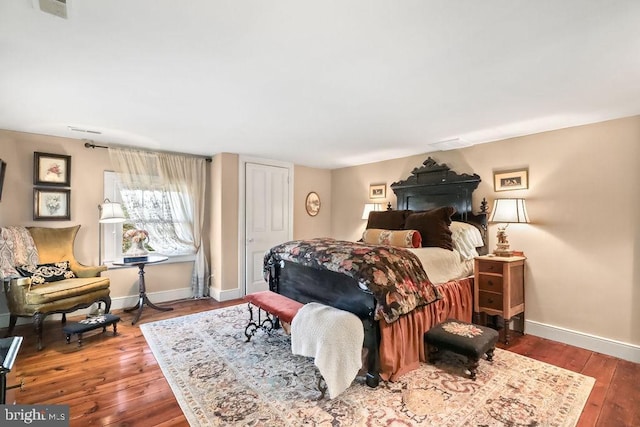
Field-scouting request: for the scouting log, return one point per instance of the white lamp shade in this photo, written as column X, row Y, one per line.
column 111, row 213
column 509, row 210
column 370, row 207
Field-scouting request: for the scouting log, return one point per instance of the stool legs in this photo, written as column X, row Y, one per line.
column 490, row 354
column 433, row 353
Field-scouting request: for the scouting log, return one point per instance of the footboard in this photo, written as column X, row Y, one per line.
column 306, row 285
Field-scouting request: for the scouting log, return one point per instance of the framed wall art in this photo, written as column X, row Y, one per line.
column 51, row 169
column 377, row 191
column 312, row 203
column 511, row 180
column 51, row 204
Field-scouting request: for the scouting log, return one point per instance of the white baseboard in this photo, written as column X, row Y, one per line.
column 579, row 339
column 227, row 295
column 117, row 303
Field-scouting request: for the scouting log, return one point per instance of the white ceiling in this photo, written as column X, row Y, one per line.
column 319, row 83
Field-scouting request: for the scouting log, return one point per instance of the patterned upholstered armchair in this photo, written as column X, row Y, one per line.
column 48, row 290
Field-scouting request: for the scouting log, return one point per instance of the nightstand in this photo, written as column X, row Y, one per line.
column 499, row 288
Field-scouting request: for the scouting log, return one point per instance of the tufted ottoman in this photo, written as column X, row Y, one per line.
column 462, row 338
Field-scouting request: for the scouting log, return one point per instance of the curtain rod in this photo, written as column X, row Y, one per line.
column 90, row 144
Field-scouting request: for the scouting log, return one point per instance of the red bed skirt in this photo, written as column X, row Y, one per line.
column 402, row 342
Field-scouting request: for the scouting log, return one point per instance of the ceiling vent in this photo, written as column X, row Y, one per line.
column 54, row 7
column 449, row 144
column 77, row 129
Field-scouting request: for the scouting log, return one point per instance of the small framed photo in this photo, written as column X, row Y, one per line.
column 51, row 169
column 51, row 204
column 511, row 180
column 377, row 191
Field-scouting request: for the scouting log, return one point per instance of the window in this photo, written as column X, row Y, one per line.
column 146, row 209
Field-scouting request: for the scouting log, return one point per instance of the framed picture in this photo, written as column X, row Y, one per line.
column 51, row 204
column 3, row 169
column 51, row 169
column 378, row 191
column 312, row 203
column 511, row 180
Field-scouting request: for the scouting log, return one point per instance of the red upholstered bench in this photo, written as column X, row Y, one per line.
column 273, row 304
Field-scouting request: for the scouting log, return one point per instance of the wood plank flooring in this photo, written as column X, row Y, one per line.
column 116, row 381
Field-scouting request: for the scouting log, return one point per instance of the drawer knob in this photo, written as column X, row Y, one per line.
column 490, row 282
column 490, row 300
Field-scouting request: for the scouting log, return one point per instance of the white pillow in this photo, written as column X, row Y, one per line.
column 466, row 238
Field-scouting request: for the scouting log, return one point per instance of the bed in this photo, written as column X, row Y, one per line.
column 393, row 348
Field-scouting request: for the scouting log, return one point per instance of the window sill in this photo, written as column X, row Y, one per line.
column 171, row 260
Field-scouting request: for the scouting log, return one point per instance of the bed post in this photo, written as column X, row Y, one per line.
column 372, row 344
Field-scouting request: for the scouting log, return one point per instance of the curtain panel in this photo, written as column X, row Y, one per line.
column 170, row 182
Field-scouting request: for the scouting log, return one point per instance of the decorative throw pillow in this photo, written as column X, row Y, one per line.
column 433, row 226
column 387, row 220
column 399, row 238
column 43, row 273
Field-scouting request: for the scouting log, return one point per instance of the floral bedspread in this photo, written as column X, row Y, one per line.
column 395, row 276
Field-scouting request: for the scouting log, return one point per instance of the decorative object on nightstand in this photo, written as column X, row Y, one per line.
column 370, row 207
column 499, row 288
column 506, row 211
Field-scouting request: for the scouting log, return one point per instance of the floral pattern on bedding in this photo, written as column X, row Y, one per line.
column 395, row 276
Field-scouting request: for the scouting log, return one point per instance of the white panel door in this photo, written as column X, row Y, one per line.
column 267, row 218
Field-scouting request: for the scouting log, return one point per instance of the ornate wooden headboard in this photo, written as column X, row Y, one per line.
column 435, row 185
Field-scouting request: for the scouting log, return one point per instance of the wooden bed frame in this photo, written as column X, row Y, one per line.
column 430, row 186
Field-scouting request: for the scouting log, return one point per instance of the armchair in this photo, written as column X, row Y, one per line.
column 40, row 245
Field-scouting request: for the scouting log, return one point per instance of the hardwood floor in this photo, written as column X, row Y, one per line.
column 116, row 381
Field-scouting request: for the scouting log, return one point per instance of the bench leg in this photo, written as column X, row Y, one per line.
column 266, row 325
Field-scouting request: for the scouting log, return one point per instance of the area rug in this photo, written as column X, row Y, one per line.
column 220, row 379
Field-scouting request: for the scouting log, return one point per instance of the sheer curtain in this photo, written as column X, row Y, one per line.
column 165, row 194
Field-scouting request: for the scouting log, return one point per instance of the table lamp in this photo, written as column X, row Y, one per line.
column 370, row 207
column 110, row 213
column 505, row 212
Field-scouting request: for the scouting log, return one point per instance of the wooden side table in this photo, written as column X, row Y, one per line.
column 499, row 287
column 142, row 288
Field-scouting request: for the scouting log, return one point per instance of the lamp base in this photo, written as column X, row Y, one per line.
column 503, row 253
column 502, row 247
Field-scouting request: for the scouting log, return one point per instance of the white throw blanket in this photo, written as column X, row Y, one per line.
column 334, row 339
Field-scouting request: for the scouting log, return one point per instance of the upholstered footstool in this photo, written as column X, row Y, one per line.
column 465, row 339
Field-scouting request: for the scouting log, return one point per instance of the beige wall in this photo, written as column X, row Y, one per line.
column 224, row 219
column 583, row 243
column 308, row 179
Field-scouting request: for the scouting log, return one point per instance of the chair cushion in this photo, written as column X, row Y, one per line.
column 53, row 291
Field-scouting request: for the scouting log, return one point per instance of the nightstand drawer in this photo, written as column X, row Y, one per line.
column 490, row 283
column 490, row 300
column 490, row 267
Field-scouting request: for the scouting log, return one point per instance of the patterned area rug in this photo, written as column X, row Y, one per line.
column 220, row 379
